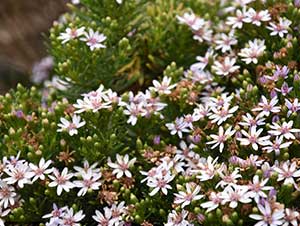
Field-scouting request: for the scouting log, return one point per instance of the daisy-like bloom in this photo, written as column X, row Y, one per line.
column 86, row 168
column 61, row 180
column 250, row 121
column 20, row 174
column 107, row 219
column 288, row 172
column 160, row 182
column 3, row 213
column 226, row 41
column 56, row 212
column 204, row 33
column 186, row 197
column 257, row 188
column 190, row 19
column 267, row 107
column 220, row 115
column 268, row 217
column 118, row 210
column 220, row 101
column 122, row 165
column 201, row 111
column 133, row 110
column 285, row 89
column 228, row 178
column 180, row 126
column 234, row 194
column 71, row 219
column 276, row 145
column 215, row 200
column 281, row 28
column 41, row 169
column 7, row 195
column 89, row 181
column 252, row 137
column 70, row 127
column 237, row 21
column 207, row 168
column 71, row 33
column 203, row 61
column 94, row 39
column 256, row 18
column 285, row 130
column 291, row 217
column 226, row 67
column 164, row 87
column 219, row 140
column 292, row 106
column 178, row 219
column 253, row 51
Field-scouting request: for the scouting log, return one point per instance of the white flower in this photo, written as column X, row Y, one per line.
column 20, row 174
column 254, row 50
column 226, row 67
column 90, row 180
column 281, row 28
column 7, row 195
column 228, row 178
column 56, row 212
column 285, row 130
column 256, row 17
column 122, row 166
column 178, row 219
column 71, row 219
column 250, row 121
column 215, row 201
column 94, row 39
column 178, row 127
column 203, row 61
column 190, row 19
column 276, row 145
column 133, row 110
column 186, row 197
column 268, row 216
column 257, row 188
column 287, row 172
column 106, row 219
column 71, row 33
column 160, row 182
column 220, row 115
column 226, row 41
column 3, row 213
column 119, row 1
column 252, row 137
column 61, row 181
column 292, row 106
column 218, row 140
column 41, row 169
column 164, row 87
column 291, row 217
column 207, row 168
column 235, row 194
column 237, row 21
column 71, row 127
column 267, row 107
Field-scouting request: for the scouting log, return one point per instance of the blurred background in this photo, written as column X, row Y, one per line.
column 24, row 26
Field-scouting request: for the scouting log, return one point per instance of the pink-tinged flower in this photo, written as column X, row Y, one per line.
column 40, row 170
column 235, row 194
column 268, row 217
column 285, row 89
column 257, row 188
column 186, row 197
column 86, row 168
column 276, row 145
column 292, row 106
column 70, row 127
column 281, row 28
column 220, row 115
column 252, row 137
column 267, row 107
column 107, row 219
column 7, row 195
column 285, row 130
column 61, row 181
column 71, row 33
column 71, row 219
column 56, row 212
column 89, row 181
column 201, row 111
column 237, row 21
column 253, row 51
column 215, row 200
column 288, row 172
column 255, row 17
column 207, row 168
column 291, row 217
column 180, row 126
column 250, row 121
column 94, row 39
column 3, row 213
column 178, row 219
column 228, row 178
column 164, row 87
column 226, row 67
column 224, row 42
column 160, row 181
column 190, row 19
column 220, row 101
column 219, row 140
column 203, row 61
column 122, row 166
column 133, row 110
column 20, row 174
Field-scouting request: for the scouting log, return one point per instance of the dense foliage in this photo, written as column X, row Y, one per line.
column 161, row 112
